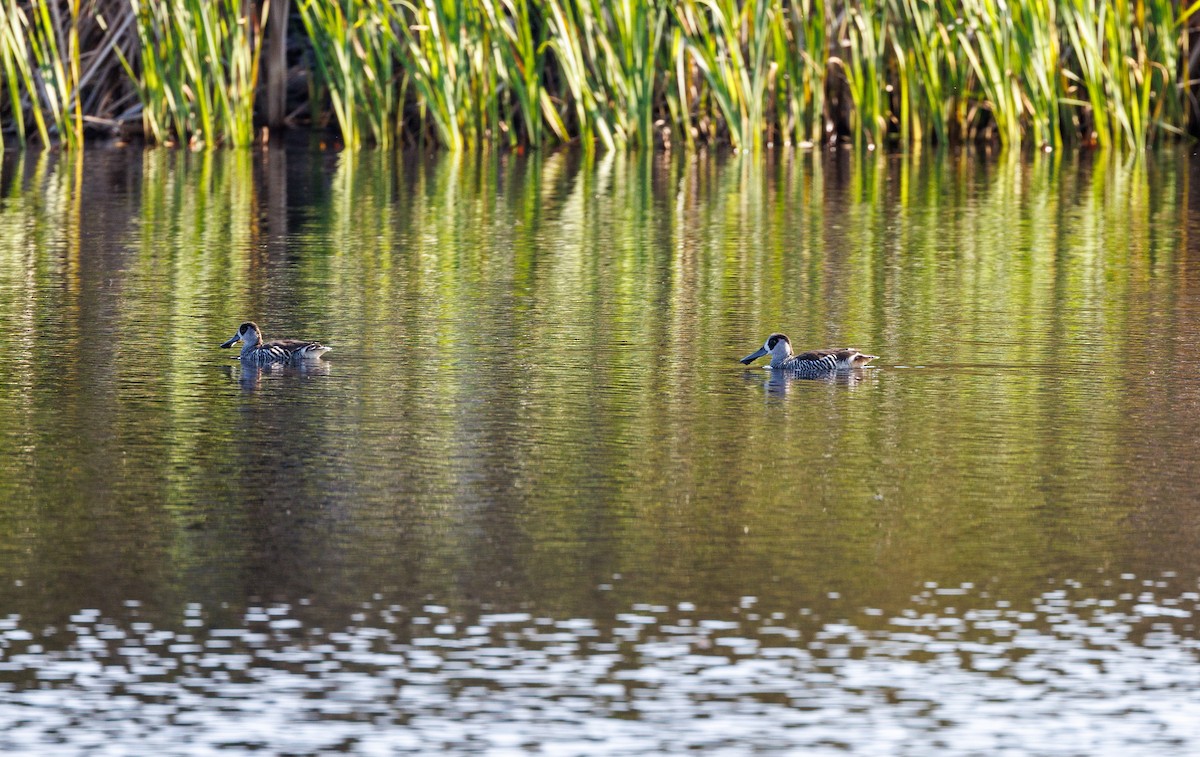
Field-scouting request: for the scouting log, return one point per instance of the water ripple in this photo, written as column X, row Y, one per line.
column 1074, row 671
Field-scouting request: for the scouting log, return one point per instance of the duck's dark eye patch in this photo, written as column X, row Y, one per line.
column 772, row 342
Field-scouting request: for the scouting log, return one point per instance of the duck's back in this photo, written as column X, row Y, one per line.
column 817, row 355
column 289, row 349
column 827, row 361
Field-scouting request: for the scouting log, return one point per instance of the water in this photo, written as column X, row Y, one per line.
column 531, row 501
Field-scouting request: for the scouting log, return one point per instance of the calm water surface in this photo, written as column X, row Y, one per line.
column 532, row 502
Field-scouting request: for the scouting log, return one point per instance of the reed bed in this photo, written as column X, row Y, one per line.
column 353, row 44
column 41, row 55
column 615, row 75
column 198, row 70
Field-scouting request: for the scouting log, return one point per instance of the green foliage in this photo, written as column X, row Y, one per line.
column 623, row 46
column 989, row 42
column 440, row 49
column 729, row 45
column 353, row 43
column 802, row 36
column 519, row 46
column 1128, row 64
column 864, row 35
column 197, row 71
column 40, row 51
column 929, row 67
column 525, row 73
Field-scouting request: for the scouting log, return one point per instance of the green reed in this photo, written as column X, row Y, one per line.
column 628, row 39
column 18, row 69
column 608, row 57
column 1035, row 31
column 520, row 48
column 729, row 46
column 989, row 42
column 1128, row 58
column 864, row 37
column 526, row 73
column 800, row 37
column 197, row 70
column 40, row 50
column 440, row 49
column 929, row 70
column 353, row 43
column 1013, row 49
column 567, row 40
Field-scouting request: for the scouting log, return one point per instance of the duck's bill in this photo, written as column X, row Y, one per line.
column 751, row 358
column 231, row 342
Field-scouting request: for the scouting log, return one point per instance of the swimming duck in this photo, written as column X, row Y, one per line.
column 814, row 363
column 281, row 351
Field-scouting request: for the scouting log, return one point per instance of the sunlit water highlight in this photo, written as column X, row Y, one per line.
column 956, row 669
column 531, row 500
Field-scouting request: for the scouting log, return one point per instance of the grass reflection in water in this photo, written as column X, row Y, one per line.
column 535, row 389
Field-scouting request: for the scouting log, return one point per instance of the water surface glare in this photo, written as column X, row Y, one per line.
column 531, row 500
column 954, row 670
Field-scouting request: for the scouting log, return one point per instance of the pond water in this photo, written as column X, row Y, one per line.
column 532, row 502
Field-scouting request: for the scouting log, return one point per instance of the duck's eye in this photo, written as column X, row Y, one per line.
column 772, row 342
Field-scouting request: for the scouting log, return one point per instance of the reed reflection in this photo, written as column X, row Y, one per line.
column 532, row 389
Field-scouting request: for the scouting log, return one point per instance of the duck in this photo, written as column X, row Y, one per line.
column 254, row 349
column 813, row 363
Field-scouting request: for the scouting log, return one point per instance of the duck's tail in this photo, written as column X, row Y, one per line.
column 313, row 351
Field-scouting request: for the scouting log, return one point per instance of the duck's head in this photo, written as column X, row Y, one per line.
column 248, row 334
column 778, row 346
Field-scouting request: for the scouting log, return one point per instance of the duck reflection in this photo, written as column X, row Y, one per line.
column 251, row 375
column 779, row 383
